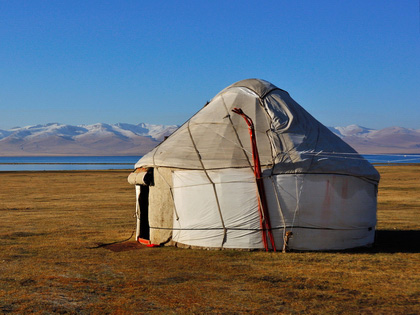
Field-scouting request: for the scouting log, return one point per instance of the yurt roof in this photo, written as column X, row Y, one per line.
column 289, row 139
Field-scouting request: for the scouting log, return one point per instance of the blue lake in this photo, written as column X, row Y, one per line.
column 57, row 163
column 65, row 163
column 392, row 158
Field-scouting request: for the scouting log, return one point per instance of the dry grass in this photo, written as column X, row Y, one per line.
column 399, row 197
column 48, row 221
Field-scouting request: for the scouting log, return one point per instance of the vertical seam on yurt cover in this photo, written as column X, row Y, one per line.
column 279, row 205
column 298, row 194
column 260, row 100
column 274, row 153
column 316, row 148
column 212, row 183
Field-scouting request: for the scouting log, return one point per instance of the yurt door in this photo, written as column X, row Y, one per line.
column 143, row 224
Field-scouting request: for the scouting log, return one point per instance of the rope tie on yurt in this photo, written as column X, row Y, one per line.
column 173, row 199
column 232, row 142
column 237, row 135
column 212, row 183
column 299, row 189
column 262, row 201
column 276, row 193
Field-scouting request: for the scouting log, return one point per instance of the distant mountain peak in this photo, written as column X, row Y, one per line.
column 351, row 130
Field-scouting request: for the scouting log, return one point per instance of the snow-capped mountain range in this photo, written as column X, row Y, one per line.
column 96, row 139
column 156, row 132
column 129, row 139
column 391, row 140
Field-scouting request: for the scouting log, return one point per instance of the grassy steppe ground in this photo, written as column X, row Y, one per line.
column 48, row 221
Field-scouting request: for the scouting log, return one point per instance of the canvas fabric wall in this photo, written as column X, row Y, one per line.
column 323, row 212
column 201, row 222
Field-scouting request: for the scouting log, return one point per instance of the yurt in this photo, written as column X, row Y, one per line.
column 253, row 170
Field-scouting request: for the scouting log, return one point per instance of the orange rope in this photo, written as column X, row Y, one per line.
column 262, row 200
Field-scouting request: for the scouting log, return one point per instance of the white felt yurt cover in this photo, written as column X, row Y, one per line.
column 317, row 186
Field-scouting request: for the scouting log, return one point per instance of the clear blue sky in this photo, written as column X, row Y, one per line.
column 82, row 62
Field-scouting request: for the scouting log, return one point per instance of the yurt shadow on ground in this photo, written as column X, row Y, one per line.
column 397, row 241
column 200, row 187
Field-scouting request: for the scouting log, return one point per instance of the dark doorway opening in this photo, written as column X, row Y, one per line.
column 144, row 212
